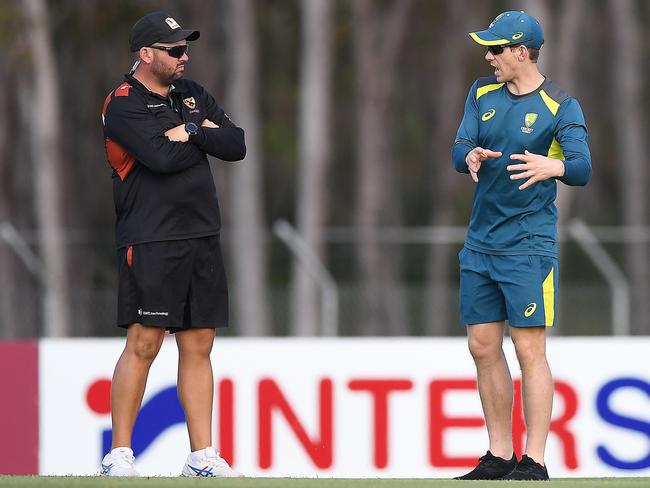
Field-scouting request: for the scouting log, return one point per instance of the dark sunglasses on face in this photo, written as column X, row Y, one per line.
column 496, row 50
column 174, row 51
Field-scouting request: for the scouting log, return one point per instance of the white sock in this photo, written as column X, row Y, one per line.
column 204, row 453
column 122, row 449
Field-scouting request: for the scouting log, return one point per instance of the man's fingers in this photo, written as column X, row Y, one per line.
column 483, row 154
column 209, row 124
column 474, row 176
column 530, row 182
column 527, row 184
column 520, row 157
column 520, row 176
column 517, row 167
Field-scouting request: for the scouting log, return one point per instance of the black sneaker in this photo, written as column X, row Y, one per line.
column 490, row 467
column 527, row 469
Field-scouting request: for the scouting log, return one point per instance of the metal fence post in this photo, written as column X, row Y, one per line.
column 307, row 258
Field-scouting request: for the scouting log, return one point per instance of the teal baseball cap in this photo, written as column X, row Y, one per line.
column 512, row 27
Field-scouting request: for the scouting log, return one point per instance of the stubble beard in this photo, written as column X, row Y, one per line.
column 165, row 75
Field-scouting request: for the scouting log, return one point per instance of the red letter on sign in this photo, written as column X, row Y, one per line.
column 558, row 426
column 226, row 421
column 380, row 389
column 518, row 422
column 270, row 398
column 438, row 422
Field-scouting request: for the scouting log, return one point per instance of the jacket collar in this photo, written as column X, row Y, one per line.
column 177, row 87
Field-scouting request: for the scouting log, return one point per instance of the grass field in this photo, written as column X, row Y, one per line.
column 78, row 482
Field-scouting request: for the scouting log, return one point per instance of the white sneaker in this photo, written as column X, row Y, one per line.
column 118, row 462
column 207, row 463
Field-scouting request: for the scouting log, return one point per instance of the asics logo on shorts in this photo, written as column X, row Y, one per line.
column 530, row 309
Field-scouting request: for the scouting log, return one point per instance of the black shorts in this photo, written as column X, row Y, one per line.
column 173, row 284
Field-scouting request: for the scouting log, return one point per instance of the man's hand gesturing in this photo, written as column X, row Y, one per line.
column 476, row 156
column 534, row 168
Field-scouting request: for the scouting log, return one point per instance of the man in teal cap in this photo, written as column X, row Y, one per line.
column 520, row 134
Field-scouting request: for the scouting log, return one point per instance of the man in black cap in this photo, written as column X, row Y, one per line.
column 158, row 131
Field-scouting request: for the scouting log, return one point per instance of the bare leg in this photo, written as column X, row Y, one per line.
column 494, row 384
column 537, row 387
column 196, row 384
column 130, row 379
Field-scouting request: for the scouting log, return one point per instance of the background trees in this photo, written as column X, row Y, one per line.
column 350, row 108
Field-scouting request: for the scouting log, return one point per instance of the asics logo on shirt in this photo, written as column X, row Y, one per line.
column 530, row 309
column 488, row 115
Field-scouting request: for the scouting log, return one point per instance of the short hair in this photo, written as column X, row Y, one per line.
column 533, row 54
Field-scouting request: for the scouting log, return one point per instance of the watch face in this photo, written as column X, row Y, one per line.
column 191, row 128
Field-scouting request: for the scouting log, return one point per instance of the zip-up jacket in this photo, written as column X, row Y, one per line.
column 164, row 190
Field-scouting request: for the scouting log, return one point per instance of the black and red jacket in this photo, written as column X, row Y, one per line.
column 164, row 190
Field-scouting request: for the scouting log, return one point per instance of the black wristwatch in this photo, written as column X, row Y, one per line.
column 191, row 128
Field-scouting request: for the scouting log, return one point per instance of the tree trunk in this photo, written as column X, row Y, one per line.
column 48, row 170
column 569, row 35
column 561, row 57
column 9, row 321
column 314, row 152
column 248, row 236
column 540, row 10
column 438, row 316
column 206, row 65
column 377, row 38
column 629, row 126
column 556, row 62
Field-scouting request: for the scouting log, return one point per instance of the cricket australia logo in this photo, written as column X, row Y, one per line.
column 190, row 102
column 529, row 120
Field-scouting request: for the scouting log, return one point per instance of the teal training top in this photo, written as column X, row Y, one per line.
column 506, row 220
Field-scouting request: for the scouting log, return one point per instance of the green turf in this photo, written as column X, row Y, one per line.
column 78, row 482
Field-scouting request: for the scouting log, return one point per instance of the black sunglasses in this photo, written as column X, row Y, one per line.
column 174, row 51
column 496, row 50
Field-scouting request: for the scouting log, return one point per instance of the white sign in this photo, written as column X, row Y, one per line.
column 385, row 407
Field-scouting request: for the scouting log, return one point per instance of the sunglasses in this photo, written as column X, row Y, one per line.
column 174, row 51
column 496, row 50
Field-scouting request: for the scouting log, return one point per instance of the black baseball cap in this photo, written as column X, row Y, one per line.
column 158, row 27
